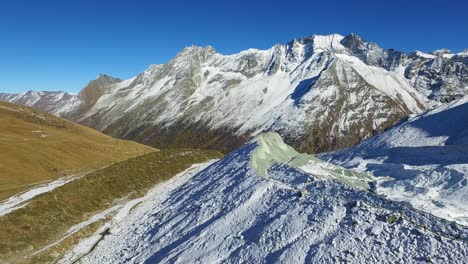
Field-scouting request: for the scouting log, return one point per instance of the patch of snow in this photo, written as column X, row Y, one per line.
column 396, row 86
column 425, row 55
column 20, row 200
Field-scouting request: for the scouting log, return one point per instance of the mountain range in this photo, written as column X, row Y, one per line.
column 319, row 93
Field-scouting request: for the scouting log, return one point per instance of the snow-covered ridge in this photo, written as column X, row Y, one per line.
column 425, row 157
column 328, row 42
column 425, row 55
column 463, row 53
column 53, row 102
column 229, row 213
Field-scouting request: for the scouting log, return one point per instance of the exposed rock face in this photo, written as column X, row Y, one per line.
column 442, row 78
column 372, row 54
column 320, row 93
column 94, row 90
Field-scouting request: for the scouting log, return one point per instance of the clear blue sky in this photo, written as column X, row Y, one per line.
column 61, row 45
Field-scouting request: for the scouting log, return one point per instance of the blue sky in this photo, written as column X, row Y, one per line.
column 61, row 45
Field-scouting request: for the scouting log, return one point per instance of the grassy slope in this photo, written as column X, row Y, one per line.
column 36, row 147
column 47, row 217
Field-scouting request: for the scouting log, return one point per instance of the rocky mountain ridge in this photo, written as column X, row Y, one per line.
column 320, row 93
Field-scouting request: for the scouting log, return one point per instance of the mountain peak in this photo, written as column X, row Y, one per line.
column 463, row 53
column 441, row 52
column 102, row 77
column 95, row 89
column 353, row 41
column 423, row 54
column 197, row 50
column 328, row 42
column 320, row 42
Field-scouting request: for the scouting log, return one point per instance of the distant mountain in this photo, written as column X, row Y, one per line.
column 423, row 161
column 258, row 205
column 320, row 93
column 52, row 102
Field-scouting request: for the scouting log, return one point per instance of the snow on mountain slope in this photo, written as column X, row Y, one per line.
column 230, row 213
column 52, row 102
column 440, row 76
column 320, row 93
column 303, row 90
column 426, row 158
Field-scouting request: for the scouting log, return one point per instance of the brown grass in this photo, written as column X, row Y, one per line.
column 36, row 147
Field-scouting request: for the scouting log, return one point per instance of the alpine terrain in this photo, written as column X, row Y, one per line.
column 319, row 93
column 267, row 203
column 423, row 161
column 327, row 149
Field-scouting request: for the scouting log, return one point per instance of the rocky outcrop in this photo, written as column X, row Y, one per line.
column 94, row 90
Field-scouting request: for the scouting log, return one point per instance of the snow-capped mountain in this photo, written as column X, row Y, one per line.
column 52, row 102
column 258, row 205
column 423, row 161
column 320, row 93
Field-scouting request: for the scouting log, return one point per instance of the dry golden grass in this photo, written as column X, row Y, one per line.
column 36, row 147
